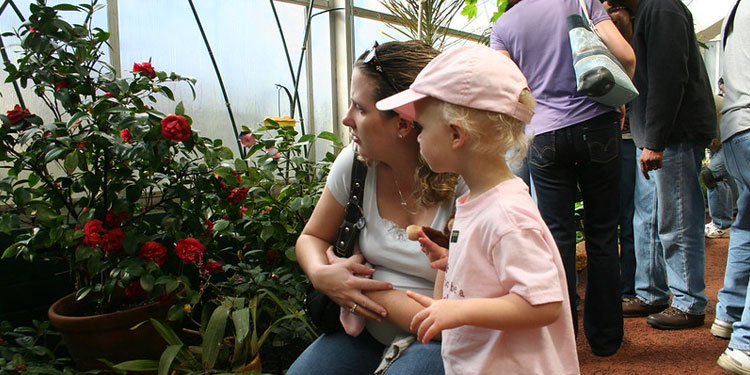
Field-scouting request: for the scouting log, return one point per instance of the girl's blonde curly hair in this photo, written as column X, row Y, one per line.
column 401, row 62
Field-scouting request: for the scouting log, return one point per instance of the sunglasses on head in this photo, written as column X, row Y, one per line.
column 371, row 58
column 615, row 9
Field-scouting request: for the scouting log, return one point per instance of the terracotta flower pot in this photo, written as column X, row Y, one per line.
column 107, row 336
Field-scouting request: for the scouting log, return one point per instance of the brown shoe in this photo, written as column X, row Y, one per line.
column 634, row 307
column 673, row 318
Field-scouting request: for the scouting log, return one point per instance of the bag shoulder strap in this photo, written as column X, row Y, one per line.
column 353, row 221
column 588, row 21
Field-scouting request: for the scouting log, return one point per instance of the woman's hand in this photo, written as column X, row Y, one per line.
column 340, row 282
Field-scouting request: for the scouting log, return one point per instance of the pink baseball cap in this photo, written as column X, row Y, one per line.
column 471, row 76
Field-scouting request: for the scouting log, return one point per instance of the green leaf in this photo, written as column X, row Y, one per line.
column 221, row 225
column 54, row 154
column 240, row 165
column 225, row 153
column 12, row 250
column 78, row 116
column 167, row 357
column 133, row 193
column 138, row 365
column 179, row 109
column 241, row 320
column 267, row 233
column 166, row 92
column 214, row 335
column 147, row 282
column 71, row 162
column 46, row 214
column 330, row 136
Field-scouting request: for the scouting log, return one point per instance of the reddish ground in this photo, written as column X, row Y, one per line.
column 646, row 350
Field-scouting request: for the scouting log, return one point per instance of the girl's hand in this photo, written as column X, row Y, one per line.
column 437, row 255
column 436, row 316
column 340, row 282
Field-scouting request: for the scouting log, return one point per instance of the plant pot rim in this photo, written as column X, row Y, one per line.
column 58, row 310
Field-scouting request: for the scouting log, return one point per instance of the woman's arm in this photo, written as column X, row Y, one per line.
column 617, row 45
column 336, row 280
column 503, row 313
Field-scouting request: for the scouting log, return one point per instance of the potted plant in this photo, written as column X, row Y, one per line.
column 122, row 192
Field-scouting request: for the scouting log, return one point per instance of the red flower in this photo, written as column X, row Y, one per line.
column 32, row 29
column 125, row 135
column 61, row 85
column 237, row 195
column 243, row 209
column 273, row 152
column 212, row 266
column 153, row 251
column 112, row 241
column 145, row 68
column 107, row 94
column 175, row 128
column 189, row 250
column 3, row 342
column 247, row 139
column 81, row 145
column 92, row 233
column 134, row 290
column 113, row 220
column 17, row 114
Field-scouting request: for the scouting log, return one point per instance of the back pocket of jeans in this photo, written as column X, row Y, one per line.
column 603, row 144
column 542, row 150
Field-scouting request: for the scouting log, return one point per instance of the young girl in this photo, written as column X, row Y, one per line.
column 504, row 308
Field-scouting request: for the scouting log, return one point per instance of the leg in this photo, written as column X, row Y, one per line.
column 418, row 359
column 720, row 199
column 339, row 353
column 650, row 274
column 627, row 191
column 733, row 302
column 554, row 176
column 681, row 214
column 598, row 165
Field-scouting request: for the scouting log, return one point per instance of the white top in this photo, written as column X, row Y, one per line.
column 500, row 245
column 384, row 244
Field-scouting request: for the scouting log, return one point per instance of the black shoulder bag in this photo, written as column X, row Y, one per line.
column 323, row 312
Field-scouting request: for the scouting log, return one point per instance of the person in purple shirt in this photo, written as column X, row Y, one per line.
column 576, row 145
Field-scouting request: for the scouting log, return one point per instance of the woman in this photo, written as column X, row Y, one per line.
column 400, row 190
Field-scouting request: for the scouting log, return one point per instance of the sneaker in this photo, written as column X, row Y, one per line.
column 712, row 231
column 721, row 329
column 674, row 318
column 735, row 361
column 634, row 307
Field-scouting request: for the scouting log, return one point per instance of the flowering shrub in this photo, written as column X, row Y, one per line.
column 120, row 190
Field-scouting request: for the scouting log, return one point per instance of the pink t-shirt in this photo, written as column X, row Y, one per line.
column 500, row 245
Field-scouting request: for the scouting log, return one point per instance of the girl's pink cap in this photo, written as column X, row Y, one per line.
column 471, row 76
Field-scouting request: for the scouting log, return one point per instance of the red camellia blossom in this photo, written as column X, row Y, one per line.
column 107, row 94
column 81, row 145
column 273, row 152
column 175, row 128
column 212, row 266
column 134, row 290
column 189, row 250
column 114, row 220
column 17, row 114
column 112, row 241
column 247, row 139
column 125, row 135
column 237, row 195
column 92, row 233
column 61, row 85
column 145, row 68
column 153, row 251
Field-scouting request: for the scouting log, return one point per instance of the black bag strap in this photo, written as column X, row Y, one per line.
column 353, row 222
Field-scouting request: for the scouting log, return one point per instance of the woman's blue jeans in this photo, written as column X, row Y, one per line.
column 668, row 227
column 733, row 305
column 341, row 354
column 585, row 155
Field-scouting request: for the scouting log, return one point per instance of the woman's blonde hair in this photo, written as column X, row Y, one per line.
column 492, row 132
column 400, row 62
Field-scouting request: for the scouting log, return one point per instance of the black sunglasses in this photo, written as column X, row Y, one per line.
column 371, row 58
column 615, row 9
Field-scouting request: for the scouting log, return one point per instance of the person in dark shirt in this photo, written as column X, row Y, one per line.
column 672, row 121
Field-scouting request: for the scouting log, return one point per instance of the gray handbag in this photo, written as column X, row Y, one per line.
column 598, row 73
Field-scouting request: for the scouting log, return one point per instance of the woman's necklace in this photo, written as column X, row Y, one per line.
column 404, row 205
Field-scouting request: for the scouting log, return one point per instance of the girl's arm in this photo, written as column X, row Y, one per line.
column 503, row 313
column 338, row 280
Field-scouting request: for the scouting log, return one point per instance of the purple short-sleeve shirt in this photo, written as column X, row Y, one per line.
column 535, row 33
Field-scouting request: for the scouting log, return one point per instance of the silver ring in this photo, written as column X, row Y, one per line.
column 354, row 307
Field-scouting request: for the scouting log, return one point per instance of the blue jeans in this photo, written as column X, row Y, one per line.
column 733, row 304
column 339, row 353
column 668, row 227
column 722, row 198
column 585, row 155
column 627, row 191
